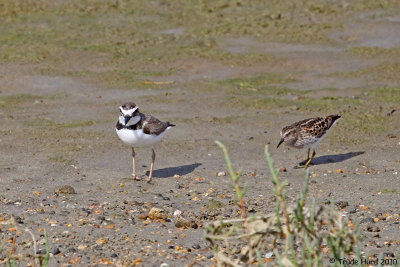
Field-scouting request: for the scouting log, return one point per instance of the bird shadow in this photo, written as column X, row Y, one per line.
column 171, row 171
column 333, row 158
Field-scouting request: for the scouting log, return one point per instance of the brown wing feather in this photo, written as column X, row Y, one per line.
column 153, row 125
column 317, row 127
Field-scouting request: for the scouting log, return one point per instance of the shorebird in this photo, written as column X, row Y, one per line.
column 138, row 129
column 307, row 133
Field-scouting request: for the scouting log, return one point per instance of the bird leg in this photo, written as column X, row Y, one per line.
column 308, row 160
column 153, row 158
column 133, row 165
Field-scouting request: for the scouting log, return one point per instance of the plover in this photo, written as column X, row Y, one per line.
column 307, row 133
column 138, row 129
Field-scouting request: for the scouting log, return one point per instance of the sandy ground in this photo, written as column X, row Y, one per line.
column 57, row 131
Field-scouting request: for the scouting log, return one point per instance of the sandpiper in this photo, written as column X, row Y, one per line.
column 307, row 133
column 138, row 129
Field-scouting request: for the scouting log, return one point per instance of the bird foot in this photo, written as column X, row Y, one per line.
column 134, row 177
column 299, row 167
column 148, row 180
column 302, row 166
column 303, row 163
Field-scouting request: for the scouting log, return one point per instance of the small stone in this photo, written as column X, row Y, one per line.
column 157, row 214
column 177, row 212
column 283, row 169
column 196, row 246
column 55, row 251
column 341, row 204
column 220, row 174
column 82, row 247
column 268, row 255
column 389, row 255
column 101, row 241
column 164, row 264
column 180, row 221
column 372, row 228
column 64, row 190
column 209, row 256
column 41, row 251
column 114, row 255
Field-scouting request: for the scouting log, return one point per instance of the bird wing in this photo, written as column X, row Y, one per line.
column 317, row 127
column 153, row 125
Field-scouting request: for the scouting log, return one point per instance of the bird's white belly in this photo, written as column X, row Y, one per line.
column 139, row 138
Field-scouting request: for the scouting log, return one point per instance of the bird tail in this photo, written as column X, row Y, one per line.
column 335, row 117
column 170, row 124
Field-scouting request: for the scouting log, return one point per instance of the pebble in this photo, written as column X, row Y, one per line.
column 64, row 190
column 114, row 255
column 196, row 246
column 372, row 228
column 41, row 251
column 341, row 204
column 389, row 254
column 164, row 264
column 157, row 214
column 180, row 221
column 177, row 212
column 220, row 174
column 55, row 251
column 268, row 255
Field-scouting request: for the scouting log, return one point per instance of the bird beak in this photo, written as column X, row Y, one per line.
column 280, row 142
column 127, row 118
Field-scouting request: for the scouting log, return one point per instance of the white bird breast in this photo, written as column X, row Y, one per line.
column 139, row 138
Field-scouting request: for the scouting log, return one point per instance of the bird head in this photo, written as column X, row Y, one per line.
column 287, row 135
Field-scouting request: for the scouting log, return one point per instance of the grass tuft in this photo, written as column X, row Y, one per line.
column 301, row 235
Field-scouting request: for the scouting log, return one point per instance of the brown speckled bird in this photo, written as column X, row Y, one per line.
column 307, row 133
